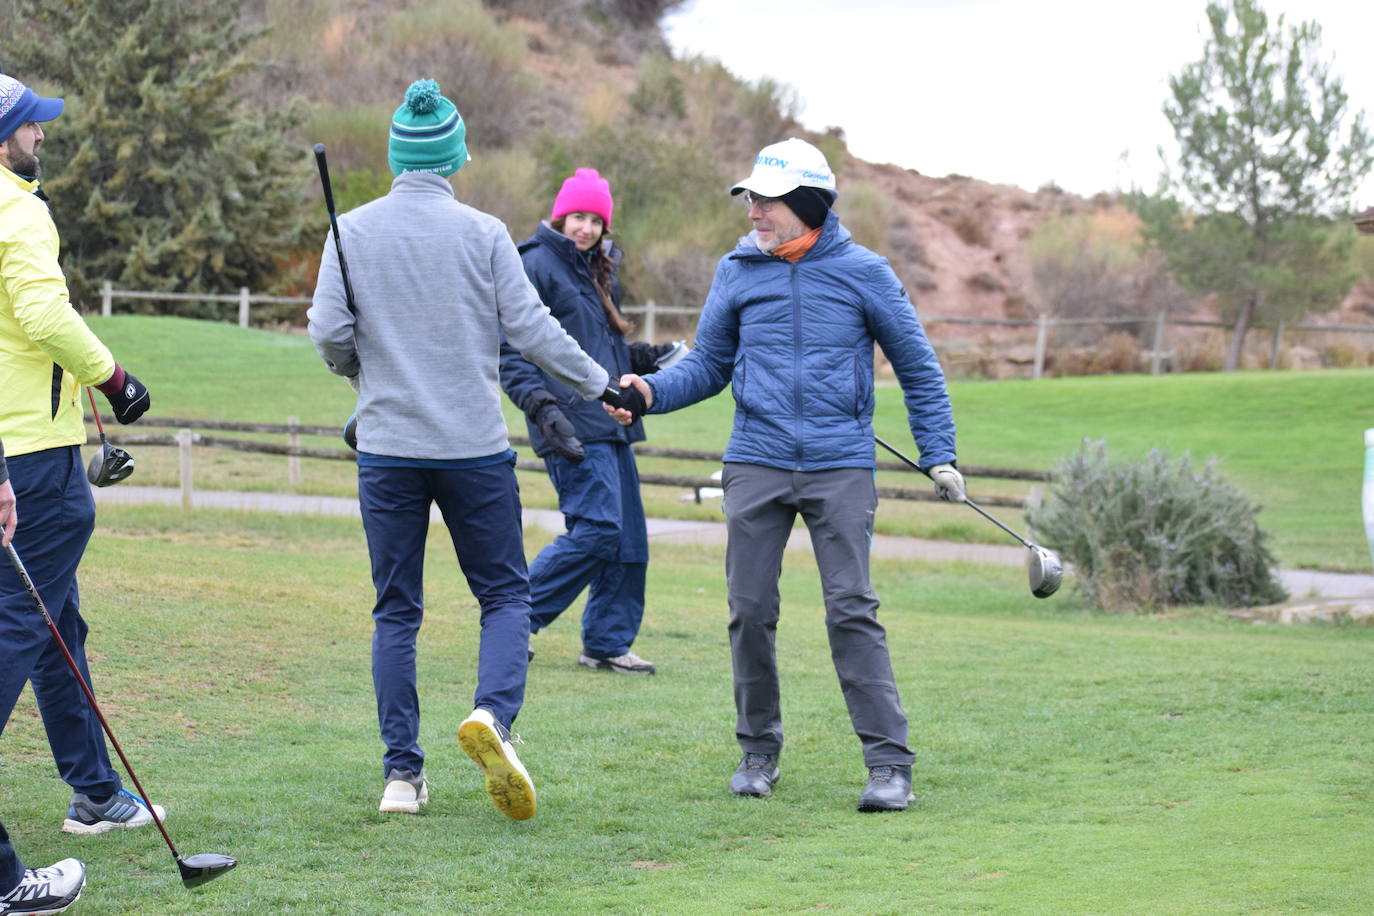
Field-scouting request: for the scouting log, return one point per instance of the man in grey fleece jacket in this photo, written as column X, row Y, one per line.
column 435, row 284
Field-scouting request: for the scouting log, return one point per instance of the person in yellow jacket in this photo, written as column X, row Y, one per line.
column 47, row 353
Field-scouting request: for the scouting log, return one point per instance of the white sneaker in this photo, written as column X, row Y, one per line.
column 405, row 792
column 488, row 743
column 46, row 890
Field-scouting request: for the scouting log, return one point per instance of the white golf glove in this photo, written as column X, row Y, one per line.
column 949, row 483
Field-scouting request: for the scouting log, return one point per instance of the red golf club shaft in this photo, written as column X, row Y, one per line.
column 86, row 689
column 100, row 427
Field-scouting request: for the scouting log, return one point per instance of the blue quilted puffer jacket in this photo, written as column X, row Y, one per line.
column 563, row 278
column 795, row 342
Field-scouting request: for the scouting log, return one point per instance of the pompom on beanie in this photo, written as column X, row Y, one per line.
column 585, row 191
column 427, row 133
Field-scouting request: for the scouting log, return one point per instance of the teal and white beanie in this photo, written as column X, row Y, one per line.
column 427, row 133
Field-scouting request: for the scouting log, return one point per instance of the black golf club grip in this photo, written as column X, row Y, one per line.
column 334, row 226
column 324, row 177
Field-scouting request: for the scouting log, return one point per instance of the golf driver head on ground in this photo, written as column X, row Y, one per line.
column 1046, row 571
column 202, row 867
column 111, row 465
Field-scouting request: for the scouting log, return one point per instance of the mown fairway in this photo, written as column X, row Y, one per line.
column 1292, row 440
column 1069, row 763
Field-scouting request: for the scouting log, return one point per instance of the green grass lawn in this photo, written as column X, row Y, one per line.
column 1292, row 440
column 1068, row 762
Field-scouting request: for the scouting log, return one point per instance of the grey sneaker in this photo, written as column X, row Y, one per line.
column 888, row 789
column 123, row 809
column 405, row 792
column 46, row 890
column 629, row 663
column 756, row 775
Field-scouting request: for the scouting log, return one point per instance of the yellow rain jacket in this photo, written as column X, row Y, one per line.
column 46, row 350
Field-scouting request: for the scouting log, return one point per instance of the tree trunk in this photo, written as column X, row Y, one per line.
column 1243, row 318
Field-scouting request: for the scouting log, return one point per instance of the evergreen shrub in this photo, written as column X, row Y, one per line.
column 1143, row 535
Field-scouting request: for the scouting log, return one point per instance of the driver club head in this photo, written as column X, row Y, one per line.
column 205, row 866
column 1046, row 571
column 112, row 465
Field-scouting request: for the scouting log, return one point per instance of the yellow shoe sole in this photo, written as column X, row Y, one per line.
column 509, row 789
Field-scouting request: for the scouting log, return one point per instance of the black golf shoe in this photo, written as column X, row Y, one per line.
column 46, row 890
column 756, row 775
column 888, row 789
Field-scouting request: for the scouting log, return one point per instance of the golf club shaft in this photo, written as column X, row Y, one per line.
column 86, row 689
column 334, row 225
column 972, row 505
column 100, row 427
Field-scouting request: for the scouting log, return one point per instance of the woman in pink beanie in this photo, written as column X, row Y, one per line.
column 586, row 452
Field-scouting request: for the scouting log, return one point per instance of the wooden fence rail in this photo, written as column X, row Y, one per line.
column 186, row 438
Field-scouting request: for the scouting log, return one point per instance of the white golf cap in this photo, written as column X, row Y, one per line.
column 786, row 166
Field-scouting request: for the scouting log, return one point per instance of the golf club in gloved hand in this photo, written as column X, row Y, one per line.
column 128, row 396
column 112, row 464
column 949, row 483
column 542, row 410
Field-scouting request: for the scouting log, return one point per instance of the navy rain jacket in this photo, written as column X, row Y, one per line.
column 795, row 342
column 562, row 276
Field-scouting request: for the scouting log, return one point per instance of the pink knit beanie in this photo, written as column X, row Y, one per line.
column 585, row 191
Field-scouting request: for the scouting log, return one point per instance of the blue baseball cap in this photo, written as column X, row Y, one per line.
column 19, row 105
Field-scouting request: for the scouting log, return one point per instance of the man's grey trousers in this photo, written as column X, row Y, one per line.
column 837, row 506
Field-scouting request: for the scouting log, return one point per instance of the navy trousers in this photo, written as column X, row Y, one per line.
column 56, row 518
column 11, row 869
column 605, row 549
column 481, row 508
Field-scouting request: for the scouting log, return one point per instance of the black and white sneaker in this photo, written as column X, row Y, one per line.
column 46, row 890
column 629, row 663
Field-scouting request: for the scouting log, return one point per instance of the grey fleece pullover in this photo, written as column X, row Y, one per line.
column 435, row 283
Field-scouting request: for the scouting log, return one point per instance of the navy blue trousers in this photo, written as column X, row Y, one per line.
column 11, row 869
column 481, row 508
column 605, row 549
column 56, row 518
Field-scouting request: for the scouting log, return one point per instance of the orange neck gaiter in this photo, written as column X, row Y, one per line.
column 793, row 250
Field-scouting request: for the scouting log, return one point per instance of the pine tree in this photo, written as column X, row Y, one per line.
column 1262, row 162
column 163, row 176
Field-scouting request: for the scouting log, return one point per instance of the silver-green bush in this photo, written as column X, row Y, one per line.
column 1142, row 535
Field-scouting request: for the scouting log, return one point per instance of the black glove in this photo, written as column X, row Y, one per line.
column 542, row 410
column 647, row 358
column 625, row 399
column 128, row 396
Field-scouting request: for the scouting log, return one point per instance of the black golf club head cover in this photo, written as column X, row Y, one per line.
column 350, row 432
column 110, row 466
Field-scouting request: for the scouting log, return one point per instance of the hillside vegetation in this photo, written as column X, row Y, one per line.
column 548, row 86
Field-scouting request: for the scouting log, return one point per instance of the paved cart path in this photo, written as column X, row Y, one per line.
column 1300, row 583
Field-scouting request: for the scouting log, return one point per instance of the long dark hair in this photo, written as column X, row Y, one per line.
column 603, row 277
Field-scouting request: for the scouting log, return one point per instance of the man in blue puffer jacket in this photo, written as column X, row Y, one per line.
column 790, row 324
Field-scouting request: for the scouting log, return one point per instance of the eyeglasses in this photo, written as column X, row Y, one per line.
column 765, row 204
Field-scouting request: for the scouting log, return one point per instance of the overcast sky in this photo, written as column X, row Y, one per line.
column 1007, row 91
